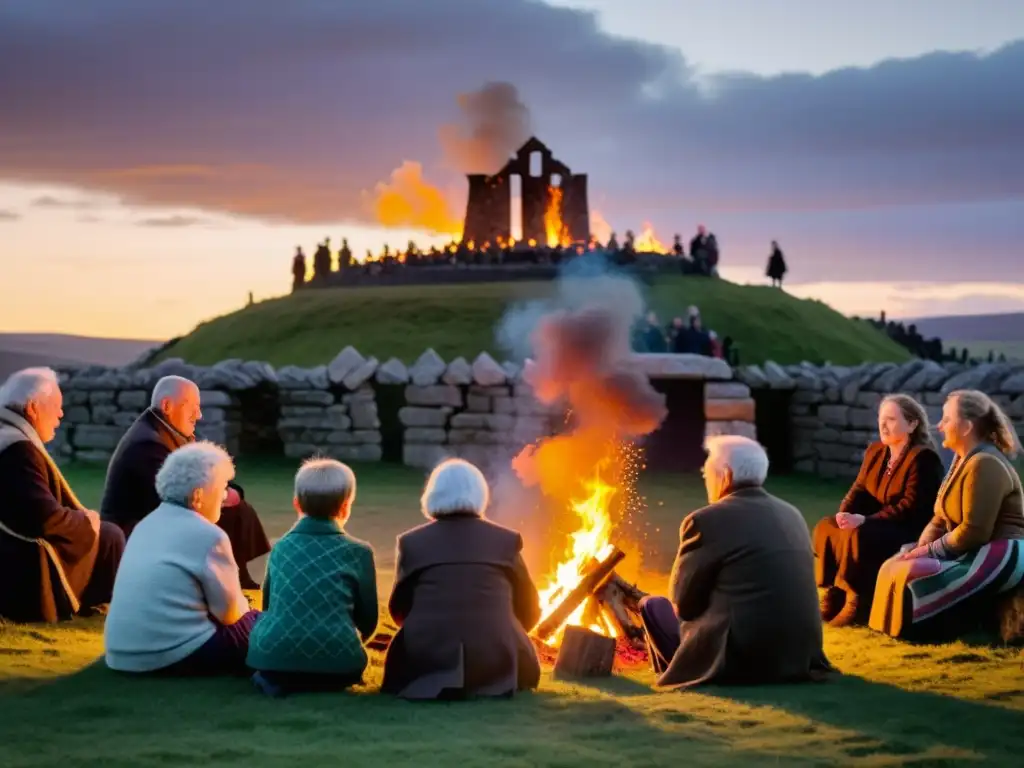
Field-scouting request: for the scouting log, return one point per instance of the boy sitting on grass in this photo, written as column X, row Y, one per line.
column 320, row 592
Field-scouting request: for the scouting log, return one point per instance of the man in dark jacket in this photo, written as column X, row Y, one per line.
column 744, row 604
column 56, row 557
column 130, row 491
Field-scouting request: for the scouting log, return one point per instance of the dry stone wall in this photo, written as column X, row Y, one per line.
column 834, row 410
column 101, row 403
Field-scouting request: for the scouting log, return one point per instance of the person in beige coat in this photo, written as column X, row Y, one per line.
column 463, row 598
column 744, row 604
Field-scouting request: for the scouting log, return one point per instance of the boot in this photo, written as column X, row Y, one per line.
column 847, row 616
column 830, row 601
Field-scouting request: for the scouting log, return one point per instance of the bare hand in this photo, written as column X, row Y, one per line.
column 915, row 553
column 848, row 520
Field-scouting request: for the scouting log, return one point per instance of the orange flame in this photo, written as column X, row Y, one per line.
column 591, row 541
column 600, row 229
column 648, row 242
column 554, row 227
column 409, row 200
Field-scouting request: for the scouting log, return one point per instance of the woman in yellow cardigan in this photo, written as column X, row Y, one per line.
column 973, row 548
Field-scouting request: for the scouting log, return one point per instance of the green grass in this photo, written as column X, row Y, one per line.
column 895, row 703
column 310, row 327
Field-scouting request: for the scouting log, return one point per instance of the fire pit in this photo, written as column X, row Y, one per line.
column 589, row 614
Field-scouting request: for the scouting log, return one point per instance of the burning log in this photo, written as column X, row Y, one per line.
column 584, row 654
column 622, row 600
column 591, row 581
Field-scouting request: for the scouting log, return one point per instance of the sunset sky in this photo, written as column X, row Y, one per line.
column 160, row 160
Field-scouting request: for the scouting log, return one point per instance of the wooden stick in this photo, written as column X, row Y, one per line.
column 590, row 581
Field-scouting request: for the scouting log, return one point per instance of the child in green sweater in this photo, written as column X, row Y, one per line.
column 320, row 592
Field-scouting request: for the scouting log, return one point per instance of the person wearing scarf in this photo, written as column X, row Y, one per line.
column 130, row 493
column 57, row 558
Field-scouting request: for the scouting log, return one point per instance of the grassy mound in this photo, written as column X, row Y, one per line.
column 310, row 327
column 895, row 703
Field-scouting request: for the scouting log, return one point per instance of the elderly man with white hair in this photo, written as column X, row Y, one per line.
column 178, row 608
column 462, row 597
column 56, row 557
column 744, row 603
column 130, row 491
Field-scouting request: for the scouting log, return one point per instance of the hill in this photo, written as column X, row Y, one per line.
column 23, row 350
column 310, row 327
column 1005, row 327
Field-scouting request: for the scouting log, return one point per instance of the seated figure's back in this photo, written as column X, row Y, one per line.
column 176, row 570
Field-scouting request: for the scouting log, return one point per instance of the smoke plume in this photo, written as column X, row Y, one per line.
column 494, row 123
column 578, row 349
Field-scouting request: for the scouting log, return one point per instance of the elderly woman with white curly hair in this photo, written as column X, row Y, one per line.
column 463, row 598
column 744, row 604
column 178, row 607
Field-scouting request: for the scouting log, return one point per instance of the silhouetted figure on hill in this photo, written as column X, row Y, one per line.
column 776, row 265
column 322, row 262
column 298, row 269
column 613, row 243
column 677, row 245
column 704, row 252
column 344, row 255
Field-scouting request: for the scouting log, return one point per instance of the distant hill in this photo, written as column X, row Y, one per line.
column 1005, row 327
column 23, row 350
column 310, row 327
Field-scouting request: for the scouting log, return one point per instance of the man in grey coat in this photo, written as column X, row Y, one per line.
column 744, row 605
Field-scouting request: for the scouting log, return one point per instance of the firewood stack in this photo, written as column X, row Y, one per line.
column 584, row 653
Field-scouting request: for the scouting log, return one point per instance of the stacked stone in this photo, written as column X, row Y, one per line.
column 478, row 411
column 834, row 409
column 101, row 403
column 330, row 410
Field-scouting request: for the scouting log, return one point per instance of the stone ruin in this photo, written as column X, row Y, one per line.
column 489, row 205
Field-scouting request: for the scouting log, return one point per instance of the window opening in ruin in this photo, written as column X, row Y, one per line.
column 536, row 164
column 515, row 182
column 556, row 180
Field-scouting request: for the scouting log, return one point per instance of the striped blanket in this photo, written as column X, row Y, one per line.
column 996, row 567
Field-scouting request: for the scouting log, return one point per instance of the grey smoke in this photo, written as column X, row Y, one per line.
column 494, row 122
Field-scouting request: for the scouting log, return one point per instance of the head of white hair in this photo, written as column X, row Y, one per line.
column 323, row 487
column 191, row 467
column 455, row 487
column 31, row 385
column 170, row 388
column 745, row 459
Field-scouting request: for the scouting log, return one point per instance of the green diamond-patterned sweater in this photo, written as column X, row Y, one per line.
column 319, row 602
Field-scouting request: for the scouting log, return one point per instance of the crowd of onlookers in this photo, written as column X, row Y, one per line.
column 700, row 257
column 683, row 337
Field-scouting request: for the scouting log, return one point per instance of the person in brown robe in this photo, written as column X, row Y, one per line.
column 888, row 505
column 463, row 599
column 56, row 557
column 129, row 493
column 743, row 606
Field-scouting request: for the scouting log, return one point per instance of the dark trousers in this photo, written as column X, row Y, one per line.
column 309, row 682
column 222, row 654
column 108, row 557
column 661, row 630
column 850, row 559
column 248, row 539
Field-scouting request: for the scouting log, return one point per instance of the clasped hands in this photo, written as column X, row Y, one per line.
column 848, row 520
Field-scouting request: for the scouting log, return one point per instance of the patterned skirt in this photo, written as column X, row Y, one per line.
column 919, row 599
